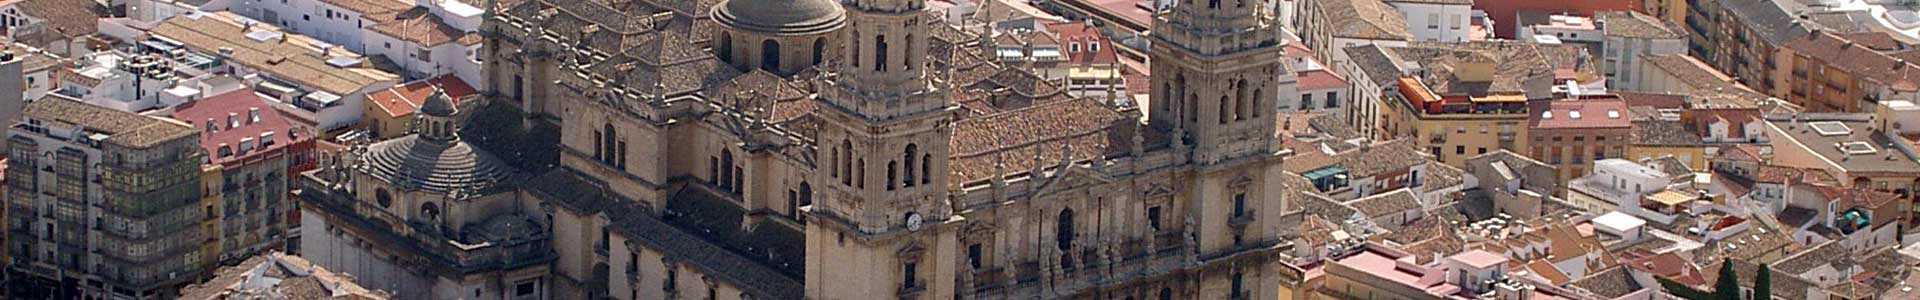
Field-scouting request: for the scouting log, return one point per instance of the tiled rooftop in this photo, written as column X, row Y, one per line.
column 123, row 128
column 403, row 100
column 270, row 131
column 1634, row 24
column 291, row 57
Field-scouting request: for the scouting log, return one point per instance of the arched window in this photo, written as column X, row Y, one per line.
column 608, row 141
column 1063, row 232
column 891, row 172
column 834, row 169
column 880, row 53
column 855, row 47
column 1238, row 286
column 860, row 171
column 725, row 51
column 430, row 212
column 726, row 170
column 911, row 149
column 819, row 50
column 1193, row 109
column 1259, row 103
column 846, row 162
column 1226, row 109
column 806, row 194
column 926, row 168
column 1166, row 293
column 1213, row 3
column 770, row 55
column 908, row 58
column 383, row 197
column 1240, row 110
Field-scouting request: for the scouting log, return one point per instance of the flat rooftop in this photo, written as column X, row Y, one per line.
column 292, row 57
column 1849, row 143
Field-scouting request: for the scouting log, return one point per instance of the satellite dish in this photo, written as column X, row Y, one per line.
column 913, row 221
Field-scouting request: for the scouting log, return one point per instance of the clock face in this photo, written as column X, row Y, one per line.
column 913, row 221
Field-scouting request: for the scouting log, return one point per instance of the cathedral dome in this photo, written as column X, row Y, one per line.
column 413, row 162
column 781, row 16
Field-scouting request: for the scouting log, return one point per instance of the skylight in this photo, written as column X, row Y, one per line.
column 1857, row 148
column 1830, row 128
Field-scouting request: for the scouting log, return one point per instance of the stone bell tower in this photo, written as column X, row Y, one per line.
column 1215, row 66
column 882, row 227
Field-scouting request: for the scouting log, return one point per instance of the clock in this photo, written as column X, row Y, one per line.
column 913, row 221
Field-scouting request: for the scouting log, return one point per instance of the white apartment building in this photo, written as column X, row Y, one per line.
column 1437, row 20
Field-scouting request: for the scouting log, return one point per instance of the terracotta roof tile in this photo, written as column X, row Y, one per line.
column 1858, row 59
column 1015, row 137
column 124, row 128
column 243, row 104
column 403, row 100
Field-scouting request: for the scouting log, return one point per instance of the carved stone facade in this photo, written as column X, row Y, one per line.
column 905, row 165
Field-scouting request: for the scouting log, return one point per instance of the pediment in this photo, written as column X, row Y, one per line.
column 1075, row 177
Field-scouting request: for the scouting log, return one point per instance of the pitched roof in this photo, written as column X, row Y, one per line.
column 245, row 105
column 1858, row 59
column 1385, row 204
column 371, row 7
column 290, row 57
column 67, row 18
column 1320, row 79
column 1014, row 138
column 1609, row 284
column 403, row 100
column 1773, row 20
column 1366, row 19
column 1634, row 24
column 123, row 128
column 1708, row 85
column 1383, row 157
column 418, row 26
column 1578, row 114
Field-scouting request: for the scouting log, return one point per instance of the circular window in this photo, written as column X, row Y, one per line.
column 385, row 199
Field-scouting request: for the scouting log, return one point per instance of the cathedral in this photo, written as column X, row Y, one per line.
column 864, row 149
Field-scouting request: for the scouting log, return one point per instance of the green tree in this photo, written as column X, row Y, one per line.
column 1727, row 287
column 1763, row 283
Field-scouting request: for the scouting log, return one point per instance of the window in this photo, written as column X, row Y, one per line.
column 1306, row 101
column 1063, row 230
column 1073, row 47
column 1460, row 149
column 1433, row 21
column 1483, row 150
column 1153, row 218
column 1333, row 100
column 1239, row 204
column 770, row 55
column 1237, row 285
column 310, row 18
column 524, row 289
column 973, row 255
column 907, row 273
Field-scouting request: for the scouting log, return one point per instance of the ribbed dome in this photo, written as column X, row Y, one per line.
column 438, row 104
column 781, row 16
column 410, row 162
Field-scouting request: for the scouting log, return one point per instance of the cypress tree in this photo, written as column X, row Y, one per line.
column 1727, row 287
column 1763, row 283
